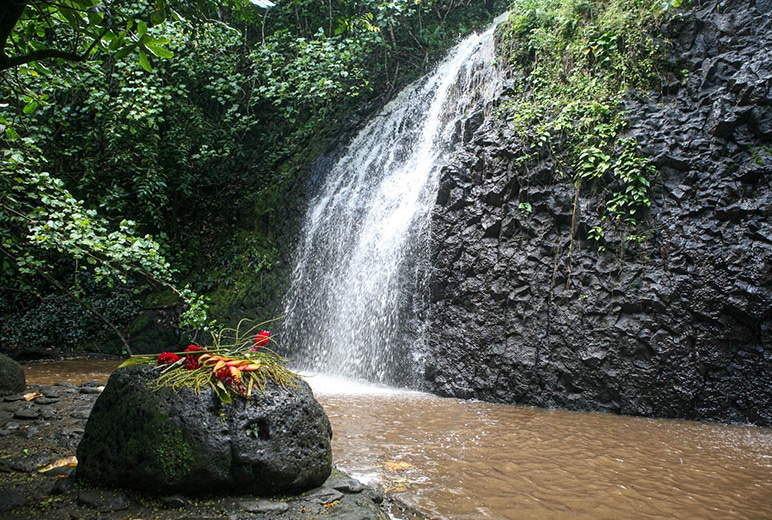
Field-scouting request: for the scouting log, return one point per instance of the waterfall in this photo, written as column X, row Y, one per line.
column 356, row 305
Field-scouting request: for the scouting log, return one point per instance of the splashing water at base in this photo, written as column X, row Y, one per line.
column 355, row 306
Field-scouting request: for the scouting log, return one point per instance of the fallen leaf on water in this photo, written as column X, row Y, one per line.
column 32, row 396
column 59, row 463
column 397, row 486
column 396, row 465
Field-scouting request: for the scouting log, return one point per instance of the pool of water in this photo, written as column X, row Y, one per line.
column 458, row 460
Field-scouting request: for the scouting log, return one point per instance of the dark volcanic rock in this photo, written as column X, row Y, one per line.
column 679, row 325
column 168, row 441
column 12, row 380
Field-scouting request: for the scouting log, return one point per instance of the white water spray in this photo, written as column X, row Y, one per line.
column 356, row 304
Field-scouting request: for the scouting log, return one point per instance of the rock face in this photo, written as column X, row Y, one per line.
column 169, row 441
column 679, row 325
column 12, row 379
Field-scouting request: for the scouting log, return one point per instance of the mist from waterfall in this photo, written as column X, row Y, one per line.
column 357, row 302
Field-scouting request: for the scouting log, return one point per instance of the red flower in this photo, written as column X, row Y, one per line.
column 261, row 340
column 191, row 362
column 227, row 377
column 167, row 358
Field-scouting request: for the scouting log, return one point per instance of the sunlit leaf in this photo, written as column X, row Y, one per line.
column 60, row 463
column 396, row 465
column 30, row 107
column 137, row 360
column 159, row 52
column 31, row 396
column 144, row 61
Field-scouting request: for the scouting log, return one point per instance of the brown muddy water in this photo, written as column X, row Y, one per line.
column 464, row 460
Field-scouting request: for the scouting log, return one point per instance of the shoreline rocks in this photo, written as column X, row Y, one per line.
column 29, row 445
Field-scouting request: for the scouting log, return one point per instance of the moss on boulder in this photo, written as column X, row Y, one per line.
column 178, row 441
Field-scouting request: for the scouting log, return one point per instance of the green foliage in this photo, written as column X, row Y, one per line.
column 299, row 74
column 78, row 30
column 41, row 216
column 574, row 62
column 577, row 59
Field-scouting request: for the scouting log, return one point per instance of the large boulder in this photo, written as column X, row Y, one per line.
column 12, row 380
column 171, row 441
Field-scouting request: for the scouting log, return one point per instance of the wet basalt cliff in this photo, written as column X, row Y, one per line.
column 678, row 325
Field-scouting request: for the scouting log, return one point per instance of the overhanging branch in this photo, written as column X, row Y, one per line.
column 7, row 62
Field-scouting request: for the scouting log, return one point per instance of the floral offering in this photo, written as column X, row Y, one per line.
column 235, row 363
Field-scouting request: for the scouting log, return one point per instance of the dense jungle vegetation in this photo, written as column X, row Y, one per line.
column 156, row 153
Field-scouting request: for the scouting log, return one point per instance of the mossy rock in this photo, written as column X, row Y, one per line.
column 178, row 441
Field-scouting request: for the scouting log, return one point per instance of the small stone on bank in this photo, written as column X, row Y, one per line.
column 104, row 501
column 47, row 412
column 83, row 413
column 346, row 485
column 262, row 506
column 323, row 495
column 27, row 413
column 174, row 502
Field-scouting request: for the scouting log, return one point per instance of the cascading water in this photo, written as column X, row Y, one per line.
column 356, row 303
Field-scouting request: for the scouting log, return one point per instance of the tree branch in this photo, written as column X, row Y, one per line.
column 7, row 62
column 10, row 12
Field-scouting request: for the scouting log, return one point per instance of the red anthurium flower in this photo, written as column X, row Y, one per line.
column 261, row 339
column 191, row 362
column 167, row 358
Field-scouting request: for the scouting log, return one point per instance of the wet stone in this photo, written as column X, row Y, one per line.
column 323, row 495
column 31, row 463
column 47, row 412
column 69, row 433
column 27, row 413
column 12, row 380
column 13, row 398
column 346, row 485
column 50, row 391
column 262, row 506
column 81, row 413
column 63, row 485
column 104, row 501
column 174, row 502
column 46, row 400
column 63, row 471
column 91, row 389
column 30, row 432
